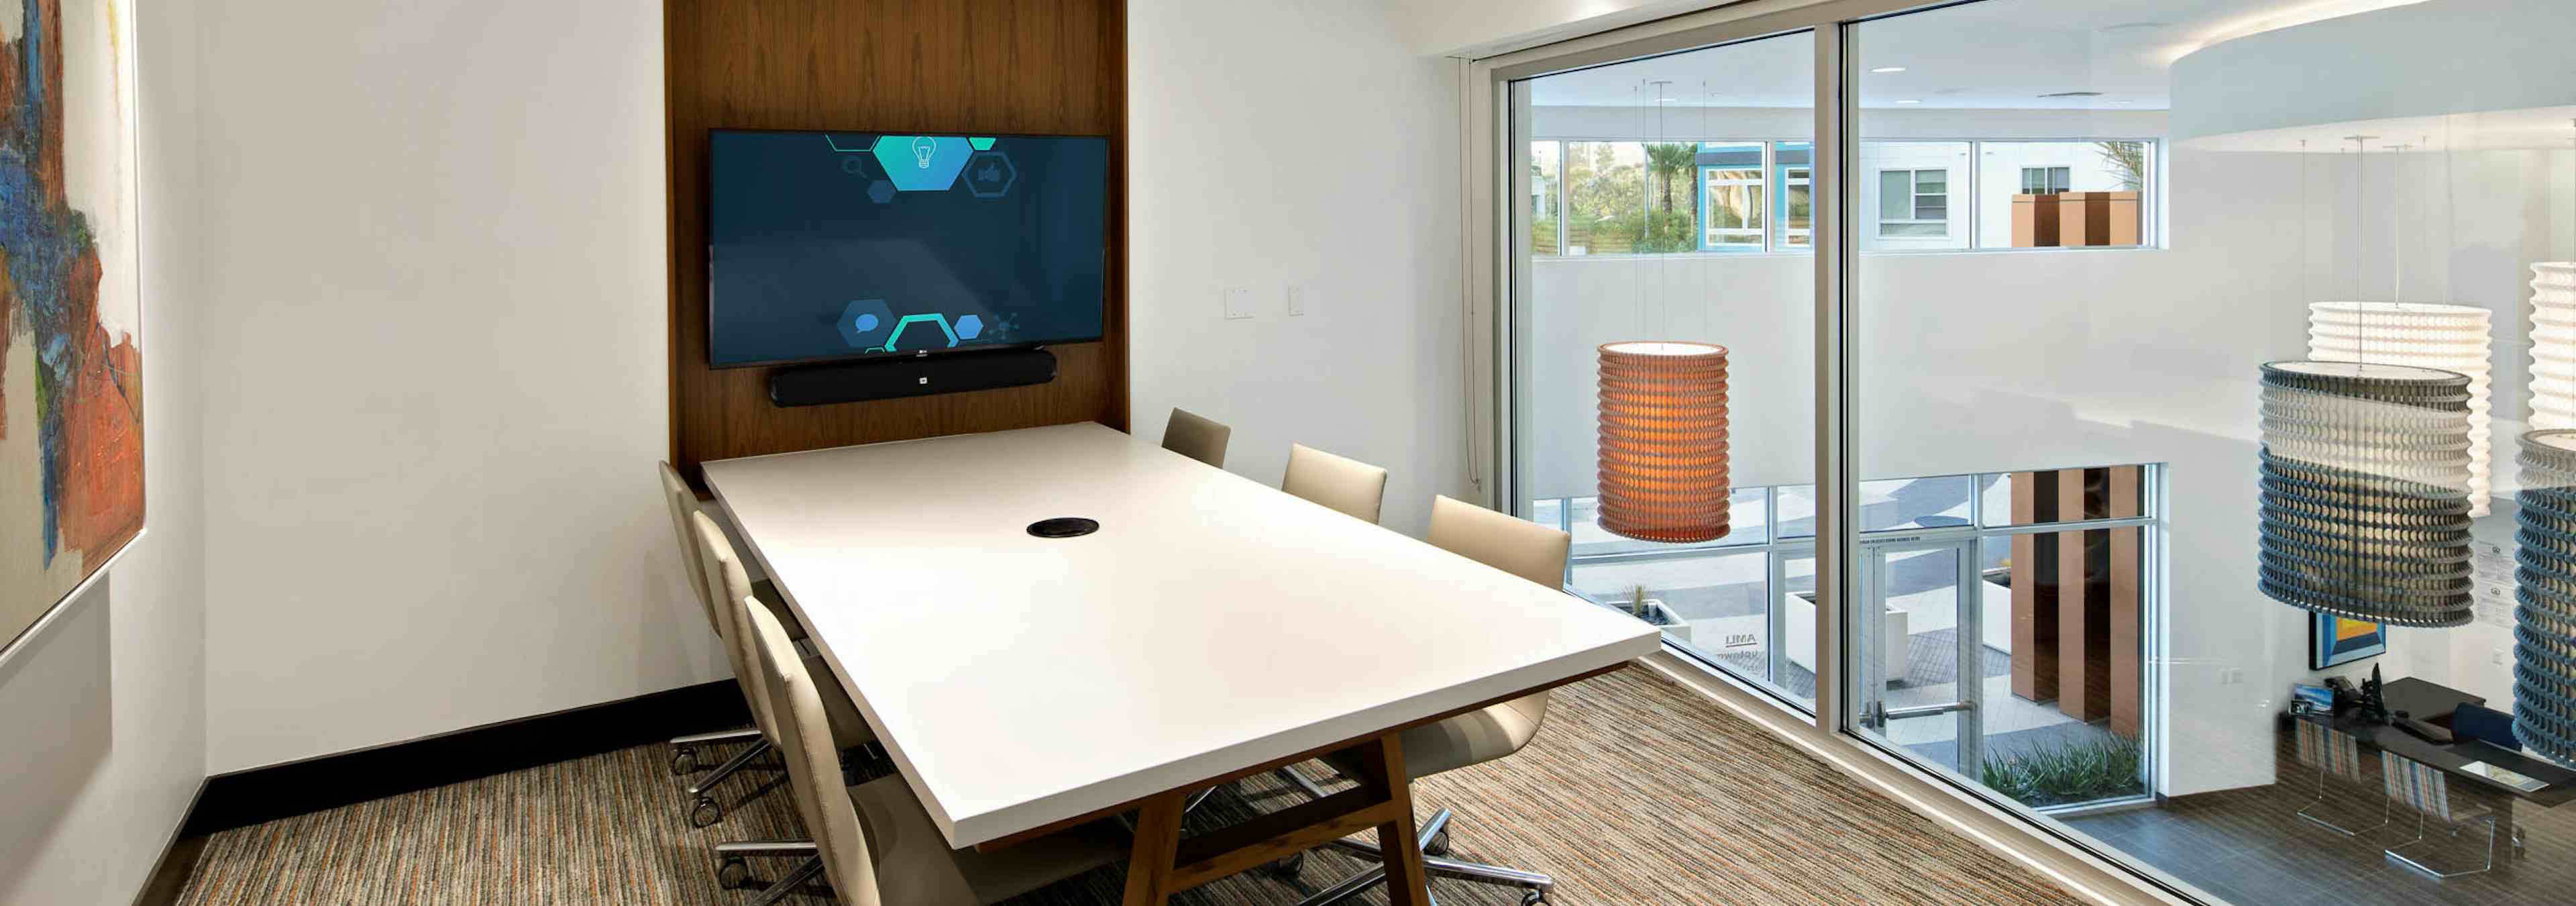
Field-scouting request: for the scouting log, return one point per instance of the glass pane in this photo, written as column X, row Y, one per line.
column 2234, row 184
column 1745, row 515
column 1906, row 648
column 1916, row 503
column 2119, row 170
column 2035, row 748
column 1605, row 197
column 1908, row 185
column 1544, row 191
column 1662, row 156
column 1896, row 195
column 2066, row 495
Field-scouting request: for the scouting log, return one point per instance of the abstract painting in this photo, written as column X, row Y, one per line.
column 71, row 353
column 2336, row 640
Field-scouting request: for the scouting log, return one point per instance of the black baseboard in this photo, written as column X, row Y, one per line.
column 266, row 794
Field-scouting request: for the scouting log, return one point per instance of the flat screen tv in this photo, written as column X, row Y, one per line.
column 844, row 245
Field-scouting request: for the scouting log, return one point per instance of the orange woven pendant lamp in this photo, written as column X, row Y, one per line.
column 1663, row 449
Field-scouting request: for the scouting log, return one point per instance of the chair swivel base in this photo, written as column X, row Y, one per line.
column 1535, row 885
column 684, row 749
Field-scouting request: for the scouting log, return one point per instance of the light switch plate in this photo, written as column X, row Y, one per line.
column 1238, row 302
column 1296, row 300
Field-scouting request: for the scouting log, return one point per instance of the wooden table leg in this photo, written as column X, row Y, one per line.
column 1158, row 843
column 1160, row 865
column 1383, row 771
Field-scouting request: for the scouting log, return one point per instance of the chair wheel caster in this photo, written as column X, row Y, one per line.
column 1534, row 898
column 1439, row 845
column 684, row 762
column 734, row 874
column 1288, row 867
column 706, row 811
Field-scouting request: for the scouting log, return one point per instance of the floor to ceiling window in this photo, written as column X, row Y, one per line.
column 2199, row 363
column 1688, row 189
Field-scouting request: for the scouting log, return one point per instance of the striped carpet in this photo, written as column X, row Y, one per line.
column 1638, row 792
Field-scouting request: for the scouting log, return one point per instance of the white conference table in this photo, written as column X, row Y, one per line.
column 1212, row 628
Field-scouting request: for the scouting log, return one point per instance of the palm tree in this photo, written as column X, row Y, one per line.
column 2127, row 160
column 1672, row 161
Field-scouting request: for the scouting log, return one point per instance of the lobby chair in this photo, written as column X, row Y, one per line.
column 727, row 581
column 2427, row 790
column 1521, row 548
column 873, row 842
column 2335, row 753
column 1197, row 438
column 1345, row 484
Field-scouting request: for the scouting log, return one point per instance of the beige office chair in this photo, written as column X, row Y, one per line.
column 727, row 581
column 1525, row 549
column 1344, row 484
column 1197, row 438
column 873, row 841
column 683, row 503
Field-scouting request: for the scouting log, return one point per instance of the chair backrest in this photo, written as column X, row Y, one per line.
column 813, row 768
column 1517, row 546
column 1345, row 484
column 727, row 581
column 1197, row 438
column 2335, row 751
column 2417, row 785
column 683, row 504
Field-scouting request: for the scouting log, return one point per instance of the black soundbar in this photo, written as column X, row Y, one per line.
column 882, row 379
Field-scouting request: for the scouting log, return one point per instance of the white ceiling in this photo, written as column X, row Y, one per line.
column 1997, row 54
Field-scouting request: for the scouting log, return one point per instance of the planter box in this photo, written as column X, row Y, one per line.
column 1662, row 617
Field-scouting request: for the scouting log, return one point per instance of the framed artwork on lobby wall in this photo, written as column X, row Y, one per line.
column 71, row 346
column 2336, row 640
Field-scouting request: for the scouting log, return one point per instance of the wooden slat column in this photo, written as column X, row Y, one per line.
column 2034, row 616
column 2083, row 620
column 2127, row 603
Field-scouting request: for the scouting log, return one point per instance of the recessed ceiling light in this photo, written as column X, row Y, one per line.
column 1889, row 69
column 1910, row 101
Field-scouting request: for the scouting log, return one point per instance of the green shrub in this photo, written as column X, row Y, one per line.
column 2067, row 772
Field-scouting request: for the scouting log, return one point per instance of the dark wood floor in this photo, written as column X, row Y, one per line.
column 2250, row 847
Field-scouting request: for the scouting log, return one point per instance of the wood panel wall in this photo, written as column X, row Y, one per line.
column 950, row 66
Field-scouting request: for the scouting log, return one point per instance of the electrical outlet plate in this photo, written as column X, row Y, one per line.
column 1296, row 300
column 1238, row 302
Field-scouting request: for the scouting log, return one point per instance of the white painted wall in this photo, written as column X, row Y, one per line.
column 1333, row 149
column 108, row 716
column 435, row 299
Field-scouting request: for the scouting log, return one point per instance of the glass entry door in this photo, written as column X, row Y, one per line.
column 1920, row 661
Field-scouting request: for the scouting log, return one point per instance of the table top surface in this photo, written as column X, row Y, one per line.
column 1212, row 624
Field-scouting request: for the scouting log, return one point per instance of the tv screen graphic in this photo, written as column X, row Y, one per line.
column 840, row 245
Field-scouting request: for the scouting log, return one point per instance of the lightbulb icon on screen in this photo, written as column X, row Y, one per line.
column 922, row 148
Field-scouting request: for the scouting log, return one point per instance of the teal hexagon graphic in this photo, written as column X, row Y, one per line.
column 969, row 326
column 922, row 163
column 863, row 323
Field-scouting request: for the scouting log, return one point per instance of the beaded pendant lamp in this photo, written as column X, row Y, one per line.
column 2365, row 491
column 2544, row 649
column 1663, row 442
column 2448, row 337
column 2553, row 344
